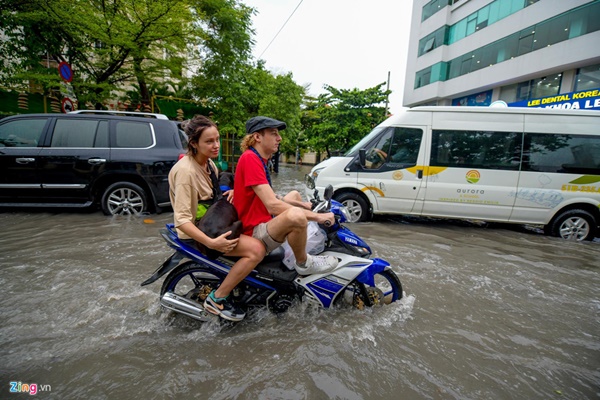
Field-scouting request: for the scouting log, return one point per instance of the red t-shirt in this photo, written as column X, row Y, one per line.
column 250, row 172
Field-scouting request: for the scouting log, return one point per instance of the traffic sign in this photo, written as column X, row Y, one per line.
column 67, row 105
column 65, row 71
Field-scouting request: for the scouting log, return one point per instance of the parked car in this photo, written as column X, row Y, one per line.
column 117, row 161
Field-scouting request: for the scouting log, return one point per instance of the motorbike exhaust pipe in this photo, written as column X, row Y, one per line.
column 180, row 304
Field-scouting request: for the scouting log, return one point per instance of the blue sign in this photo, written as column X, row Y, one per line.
column 477, row 99
column 65, row 71
column 582, row 100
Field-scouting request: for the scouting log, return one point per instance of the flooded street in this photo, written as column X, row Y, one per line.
column 488, row 313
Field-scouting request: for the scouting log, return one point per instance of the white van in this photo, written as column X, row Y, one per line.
column 514, row 165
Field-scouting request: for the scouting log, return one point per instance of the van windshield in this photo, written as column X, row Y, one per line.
column 363, row 142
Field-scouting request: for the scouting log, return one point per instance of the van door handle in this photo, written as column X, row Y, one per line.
column 419, row 174
column 382, row 186
column 96, row 161
column 25, row 160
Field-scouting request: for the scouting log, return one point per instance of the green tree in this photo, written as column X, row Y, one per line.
column 250, row 91
column 337, row 120
column 110, row 43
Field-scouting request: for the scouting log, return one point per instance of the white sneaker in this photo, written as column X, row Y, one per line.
column 317, row 265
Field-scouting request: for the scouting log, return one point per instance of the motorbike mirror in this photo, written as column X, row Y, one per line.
column 328, row 193
column 316, row 195
column 362, row 157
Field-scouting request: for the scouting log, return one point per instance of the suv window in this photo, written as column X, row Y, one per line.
column 22, row 133
column 80, row 133
column 134, row 135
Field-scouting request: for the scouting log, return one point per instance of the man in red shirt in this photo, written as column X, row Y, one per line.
column 269, row 217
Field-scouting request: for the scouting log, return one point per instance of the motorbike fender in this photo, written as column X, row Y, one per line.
column 166, row 267
column 368, row 275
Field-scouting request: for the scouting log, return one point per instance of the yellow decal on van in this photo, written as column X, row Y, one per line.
column 577, row 184
column 397, row 175
column 586, row 180
column 427, row 171
column 473, row 176
column 374, row 189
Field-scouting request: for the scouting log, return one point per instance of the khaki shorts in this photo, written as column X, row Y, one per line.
column 260, row 233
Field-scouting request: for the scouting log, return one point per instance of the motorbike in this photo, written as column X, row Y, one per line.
column 359, row 280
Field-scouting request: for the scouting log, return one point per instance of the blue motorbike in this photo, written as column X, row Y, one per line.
column 358, row 281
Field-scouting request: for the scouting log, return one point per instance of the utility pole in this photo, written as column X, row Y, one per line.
column 387, row 97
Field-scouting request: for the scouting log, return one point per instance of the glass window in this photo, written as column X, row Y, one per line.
column 588, row 78
column 102, row 135
column 471, row 24
column 494, row 12
column 526, row 41
column 22, row 132
column 476, row 149
column 459, row 31
column 377, row 154
column 576, row 154
column 429, row 45
column 432, row 7
column 433, row 40
column 454, row 67
column 541, row 35
column 133, row 135
column 545, row 86
column 405, row 147
column 504, row 7
column 74, row 133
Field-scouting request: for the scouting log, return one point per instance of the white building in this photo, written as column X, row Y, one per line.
column 535, row 53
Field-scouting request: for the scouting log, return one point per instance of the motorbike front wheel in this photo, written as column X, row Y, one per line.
column 192, row 281
column 386, row 290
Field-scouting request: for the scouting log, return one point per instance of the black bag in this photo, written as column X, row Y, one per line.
column 219, row 218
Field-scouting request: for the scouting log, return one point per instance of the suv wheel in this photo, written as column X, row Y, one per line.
column 124, row 198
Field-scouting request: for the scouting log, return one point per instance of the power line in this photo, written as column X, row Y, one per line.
column 280, row 29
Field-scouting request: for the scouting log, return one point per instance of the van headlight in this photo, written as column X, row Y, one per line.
column 310, row 180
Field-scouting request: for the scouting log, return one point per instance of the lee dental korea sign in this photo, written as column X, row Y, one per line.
column 584, row 100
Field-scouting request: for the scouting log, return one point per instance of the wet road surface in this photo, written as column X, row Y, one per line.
column 489, row 312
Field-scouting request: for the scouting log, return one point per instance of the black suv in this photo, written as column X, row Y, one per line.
column 117, row 160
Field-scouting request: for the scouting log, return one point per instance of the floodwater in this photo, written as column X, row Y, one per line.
column 488, row 313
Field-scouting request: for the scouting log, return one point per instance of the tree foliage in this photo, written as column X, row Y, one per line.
column 337, row 120
column 111, row 43
column 133, row 49
column 252, row 91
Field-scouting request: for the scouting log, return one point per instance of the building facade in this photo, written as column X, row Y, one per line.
column 526, row 53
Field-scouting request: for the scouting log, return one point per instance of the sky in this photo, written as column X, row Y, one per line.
column 346, row 44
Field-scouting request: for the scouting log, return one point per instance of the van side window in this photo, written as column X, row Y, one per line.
column 75, row 133
column 476, row 149
column 134, row 135
column 405, row 146
column 575, row 154
column 22, row 133
column 377, row 154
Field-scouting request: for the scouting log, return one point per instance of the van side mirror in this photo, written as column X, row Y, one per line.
column 362, row 157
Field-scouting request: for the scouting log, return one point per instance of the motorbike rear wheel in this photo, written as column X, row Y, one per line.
column 191, row 280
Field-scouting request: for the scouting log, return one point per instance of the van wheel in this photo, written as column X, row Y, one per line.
column 356, row 205
column 124, row 198
column 576, row 225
